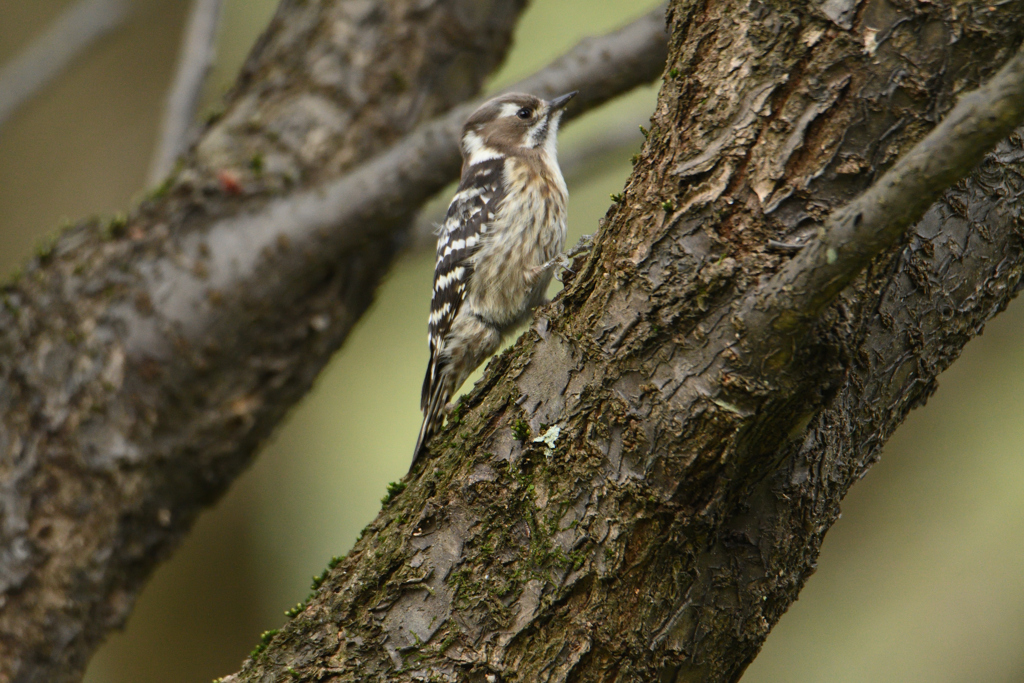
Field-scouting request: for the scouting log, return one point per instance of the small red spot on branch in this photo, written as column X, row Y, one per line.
column 229, row 181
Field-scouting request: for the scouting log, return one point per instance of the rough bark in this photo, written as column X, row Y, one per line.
column 638, row 490
column 143, row 359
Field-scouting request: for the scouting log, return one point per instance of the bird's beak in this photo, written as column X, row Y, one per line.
column 562, row 100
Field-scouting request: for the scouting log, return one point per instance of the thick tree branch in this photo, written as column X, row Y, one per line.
column 198, row 50
column 143, row 360
column 624, row 496
column 76, row 29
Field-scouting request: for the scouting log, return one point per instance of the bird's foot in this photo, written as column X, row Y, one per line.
column 562, row 262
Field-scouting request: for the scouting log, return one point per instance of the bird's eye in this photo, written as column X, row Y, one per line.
column 524, row 113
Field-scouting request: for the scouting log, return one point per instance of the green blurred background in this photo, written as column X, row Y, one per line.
column 922, row 579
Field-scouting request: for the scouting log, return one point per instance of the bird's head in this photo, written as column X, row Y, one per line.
column 512, row 124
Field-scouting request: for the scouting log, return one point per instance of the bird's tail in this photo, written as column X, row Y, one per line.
column 435, row 399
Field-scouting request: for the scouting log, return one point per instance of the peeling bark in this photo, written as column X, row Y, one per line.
column 627, row 495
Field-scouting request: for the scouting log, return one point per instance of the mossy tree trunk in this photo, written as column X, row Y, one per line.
column 639, row 488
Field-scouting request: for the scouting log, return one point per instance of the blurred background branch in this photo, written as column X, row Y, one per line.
column 198, row 51
column 66, row 38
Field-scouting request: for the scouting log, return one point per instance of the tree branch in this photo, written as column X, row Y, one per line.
column 73, row 31
column 198, row 50
column 143, row 360
column 624, row 496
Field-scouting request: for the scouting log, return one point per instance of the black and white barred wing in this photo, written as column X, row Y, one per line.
column 469, row 216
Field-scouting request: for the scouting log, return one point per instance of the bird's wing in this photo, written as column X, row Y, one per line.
column 469, row 217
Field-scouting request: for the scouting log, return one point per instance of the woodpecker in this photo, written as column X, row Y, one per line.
column 502, row 236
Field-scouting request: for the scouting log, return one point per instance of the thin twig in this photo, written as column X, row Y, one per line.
column 198, row 50
column 68, row 36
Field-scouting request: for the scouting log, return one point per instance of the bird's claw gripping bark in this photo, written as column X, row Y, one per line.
column 562, row 262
